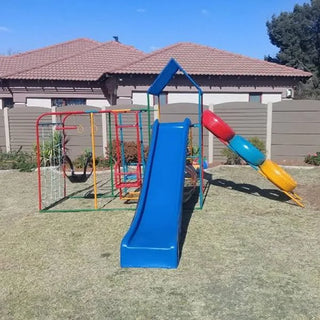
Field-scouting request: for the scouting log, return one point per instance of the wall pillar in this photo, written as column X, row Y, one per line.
column 155, row 112
column 210, row 140
column 269, row 130
column 54, row 118
column 7, row 128
column 104, row 131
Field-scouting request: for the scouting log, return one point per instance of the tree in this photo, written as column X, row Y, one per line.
column 297, row 35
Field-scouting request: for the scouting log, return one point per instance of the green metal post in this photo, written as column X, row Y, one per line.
column 141, row 141
column 149, row 119
column 200, row 111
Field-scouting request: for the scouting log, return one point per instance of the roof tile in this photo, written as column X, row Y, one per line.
column 203, row 60
column 85, row 59
column 84, row 66
column 36, row 58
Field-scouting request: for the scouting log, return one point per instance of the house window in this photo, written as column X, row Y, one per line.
column 61, row 102
column 162, row 98
column 7, row 103
column 255, row 97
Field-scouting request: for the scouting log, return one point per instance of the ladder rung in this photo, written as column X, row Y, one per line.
column 128, row 174
column 127, row 126
column 128, row 184
column 131, row 195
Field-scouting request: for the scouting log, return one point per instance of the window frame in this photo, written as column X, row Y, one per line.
column 5, row 103
column 254, row 95
column 67, row 102
column 162, row 95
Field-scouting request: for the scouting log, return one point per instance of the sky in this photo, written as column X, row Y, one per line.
column 238, row 26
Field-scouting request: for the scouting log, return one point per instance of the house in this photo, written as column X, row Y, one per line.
column 85, row 71
column 69, row 73
column 223, row 76
column 101, row 74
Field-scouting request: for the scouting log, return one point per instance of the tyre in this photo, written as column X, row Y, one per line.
column 278, row 176
column 246, row 150
column 217, row 126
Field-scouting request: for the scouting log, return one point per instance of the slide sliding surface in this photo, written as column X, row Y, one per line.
column 152, row 240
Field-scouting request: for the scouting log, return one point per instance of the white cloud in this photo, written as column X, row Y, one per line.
column 141, row 10
column 153, row 48
column 205, row 12
column 4, row 29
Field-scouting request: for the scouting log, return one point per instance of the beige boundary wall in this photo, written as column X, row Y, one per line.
column 290, row 129
column 18, row 128
column 2, row 132
column 295, row 129
column 246, row 119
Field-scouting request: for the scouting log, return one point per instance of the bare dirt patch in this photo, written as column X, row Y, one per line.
column 311, row 194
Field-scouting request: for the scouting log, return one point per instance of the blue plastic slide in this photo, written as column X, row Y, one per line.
column 152, row 240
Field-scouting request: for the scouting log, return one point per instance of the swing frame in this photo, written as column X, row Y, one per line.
column 74, row 177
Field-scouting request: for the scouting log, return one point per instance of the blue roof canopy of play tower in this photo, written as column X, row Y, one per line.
column 156, row 88
column 166, row 75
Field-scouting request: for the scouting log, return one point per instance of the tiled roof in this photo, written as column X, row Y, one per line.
column 3, row 60
column 85, row 66
column 202, row 60
column 88, row 60
column 36, row 58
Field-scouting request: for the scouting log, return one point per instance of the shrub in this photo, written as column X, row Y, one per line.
column 258, row 143
column 195, row 151
column 233, row 158
column 81, row 160
column 23, row 161
column 130, row 151
column 313, row 159
column 102, row 162
column 51, row 150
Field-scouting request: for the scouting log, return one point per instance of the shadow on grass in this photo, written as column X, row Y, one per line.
column 188, row 209
column 86, row 192
column 63, row 199
column 271, row 194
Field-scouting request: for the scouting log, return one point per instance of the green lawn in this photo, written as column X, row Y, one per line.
column 245, row 256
